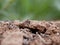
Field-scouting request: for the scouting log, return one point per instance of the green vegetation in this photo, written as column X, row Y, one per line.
column 29, row 9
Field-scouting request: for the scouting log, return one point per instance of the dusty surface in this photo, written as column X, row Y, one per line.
column 29, row 32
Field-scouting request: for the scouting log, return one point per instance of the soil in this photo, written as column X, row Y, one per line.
column 29, row 32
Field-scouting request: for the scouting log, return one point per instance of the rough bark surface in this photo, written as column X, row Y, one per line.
column 29, row 32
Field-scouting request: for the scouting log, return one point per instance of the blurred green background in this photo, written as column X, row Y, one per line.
column 30, row 9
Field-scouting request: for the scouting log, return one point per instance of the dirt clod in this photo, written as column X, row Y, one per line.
column 29, row 32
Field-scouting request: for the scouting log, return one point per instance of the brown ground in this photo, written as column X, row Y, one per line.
column 29, row 32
